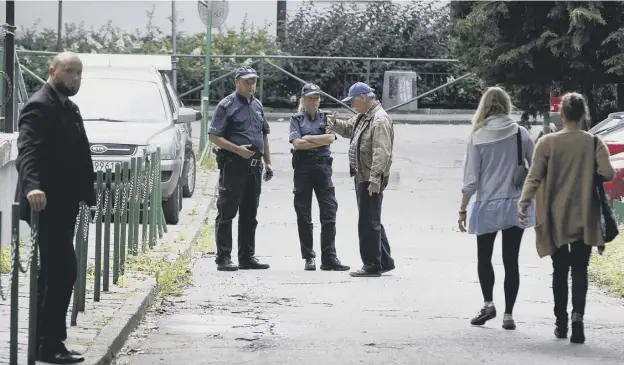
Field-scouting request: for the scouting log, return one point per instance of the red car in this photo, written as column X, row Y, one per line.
column 611, row 130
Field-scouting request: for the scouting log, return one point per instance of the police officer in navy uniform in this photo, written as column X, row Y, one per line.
column 312, row 163
column 240, row 130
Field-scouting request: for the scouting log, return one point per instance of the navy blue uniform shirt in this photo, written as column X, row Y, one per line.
column 301, row 125
column 240, row 122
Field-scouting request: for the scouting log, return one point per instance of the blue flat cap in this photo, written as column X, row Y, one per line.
column 246, row 72
column 357, row 89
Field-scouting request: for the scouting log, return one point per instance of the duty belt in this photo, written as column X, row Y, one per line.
column 315, row 159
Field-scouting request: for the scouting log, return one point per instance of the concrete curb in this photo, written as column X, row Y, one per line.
column 113, row 336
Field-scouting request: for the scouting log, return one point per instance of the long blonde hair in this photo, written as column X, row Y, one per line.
column 494, row 101
column 301, row 108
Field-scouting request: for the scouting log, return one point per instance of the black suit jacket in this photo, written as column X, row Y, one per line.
column 53, row 155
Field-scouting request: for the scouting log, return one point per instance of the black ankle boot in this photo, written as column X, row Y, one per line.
column 578, row 329
column 561, row 328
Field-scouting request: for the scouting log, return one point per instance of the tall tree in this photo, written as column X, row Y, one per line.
column 534, row 47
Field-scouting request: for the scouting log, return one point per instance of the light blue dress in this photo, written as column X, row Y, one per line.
column 489, row 168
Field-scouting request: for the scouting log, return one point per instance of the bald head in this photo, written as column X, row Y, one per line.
column 66, row 73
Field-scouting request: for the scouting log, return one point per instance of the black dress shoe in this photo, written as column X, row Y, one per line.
column 361, row 273
column 226, row 265
column 310, row 264
column 334, row 265
column 59, row 357
column 252, row 263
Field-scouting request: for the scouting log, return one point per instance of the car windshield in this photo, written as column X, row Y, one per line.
column 606, row 125
column 120, row 100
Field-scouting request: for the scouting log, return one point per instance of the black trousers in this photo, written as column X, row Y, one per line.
column 374, row 245
column 239, row 192
column 57, row 273
column 574, row 256
column 315, row 177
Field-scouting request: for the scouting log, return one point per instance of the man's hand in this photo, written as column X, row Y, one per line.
column 331, row 120
column 268, row 172
column 373, row 189
column 244, row 151
column 37, row 200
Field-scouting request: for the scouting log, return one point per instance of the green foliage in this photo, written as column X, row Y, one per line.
column 5, row 259
column 608, row 269
column 381, row 29
column 532, row 48
column 248, row 39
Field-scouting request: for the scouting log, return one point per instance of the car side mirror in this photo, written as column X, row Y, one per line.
column 188, row 115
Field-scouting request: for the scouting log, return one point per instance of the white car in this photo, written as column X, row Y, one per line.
column 127, row 110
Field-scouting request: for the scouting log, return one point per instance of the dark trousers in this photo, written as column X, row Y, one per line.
column 374, row 245
column 317, row 178
column 239, row 192
column 512, row 238
column 574, row 256
column 57, row 274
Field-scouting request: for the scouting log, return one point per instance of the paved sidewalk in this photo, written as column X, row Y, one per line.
column 104, row 325
column 418, row 314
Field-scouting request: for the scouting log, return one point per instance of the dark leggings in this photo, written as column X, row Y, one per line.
column 512, row 237
column 574, row 257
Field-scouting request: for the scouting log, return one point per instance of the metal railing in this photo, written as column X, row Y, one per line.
column 128, row 219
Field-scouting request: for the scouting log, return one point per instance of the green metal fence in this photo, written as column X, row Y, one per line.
column 128, row 219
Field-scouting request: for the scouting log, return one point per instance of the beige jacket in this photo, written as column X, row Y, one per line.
column 561, row 179
column 374, row 153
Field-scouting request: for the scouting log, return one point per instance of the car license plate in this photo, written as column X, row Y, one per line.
column 104, row 165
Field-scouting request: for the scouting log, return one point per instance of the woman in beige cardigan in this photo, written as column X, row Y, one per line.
column 567, row 213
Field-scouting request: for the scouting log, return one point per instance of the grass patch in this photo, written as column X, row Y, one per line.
column 210, row 162
column 205, row 243
column 608, row 270
column 171, row 277
column 5, row 259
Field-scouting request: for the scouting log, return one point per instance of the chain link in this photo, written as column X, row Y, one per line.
column 144, row 182
column 116, row 205
column 16, row 264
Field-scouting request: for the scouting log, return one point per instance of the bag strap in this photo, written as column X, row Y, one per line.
column 519, row 145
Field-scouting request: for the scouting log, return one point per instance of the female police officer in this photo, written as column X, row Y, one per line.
column 312, row 163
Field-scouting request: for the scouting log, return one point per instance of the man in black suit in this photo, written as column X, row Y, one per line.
column 55, row 175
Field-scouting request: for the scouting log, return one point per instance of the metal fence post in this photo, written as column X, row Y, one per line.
column 131, row 205
column 32, row 310
column 146, row 195
column 153, row 207
column 124, row 217
column 160, row 215
column 85, row 219
column 116, row 218
column 260, row 82
column 15, row 268
column 137, row 204
column 98, row 238
column 107, row 238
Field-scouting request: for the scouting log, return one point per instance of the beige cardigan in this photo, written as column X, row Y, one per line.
column 562, row 176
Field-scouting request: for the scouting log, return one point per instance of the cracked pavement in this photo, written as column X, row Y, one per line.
column 417, row 314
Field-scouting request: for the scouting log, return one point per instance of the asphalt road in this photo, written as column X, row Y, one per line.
column 417, row 314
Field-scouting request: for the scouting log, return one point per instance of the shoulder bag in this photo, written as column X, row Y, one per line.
column 521, row 170
column 608, row 224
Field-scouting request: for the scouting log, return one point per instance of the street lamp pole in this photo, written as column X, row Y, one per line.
column 206, row 93
column 59, row 29
column 174, row 45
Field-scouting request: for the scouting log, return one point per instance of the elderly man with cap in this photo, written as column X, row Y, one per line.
column 240, row 131
column 370, row 156
column 312, row 163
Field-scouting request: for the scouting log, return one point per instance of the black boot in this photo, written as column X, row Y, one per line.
column 310, row 265
column 561, row 328
column 578, row 329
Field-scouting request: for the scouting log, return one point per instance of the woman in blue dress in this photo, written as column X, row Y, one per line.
column 490, row 173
